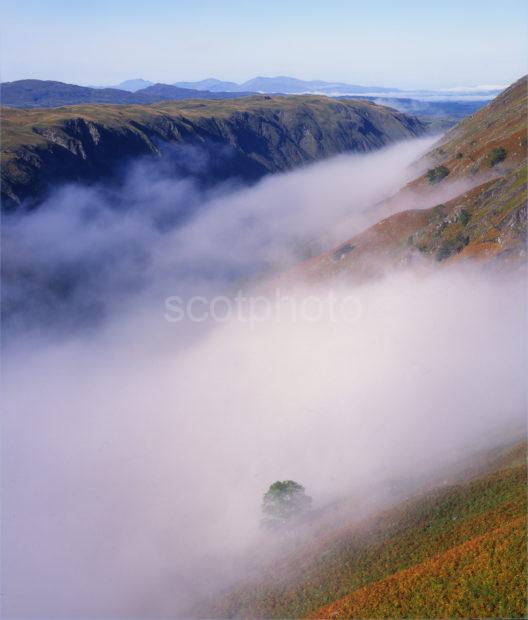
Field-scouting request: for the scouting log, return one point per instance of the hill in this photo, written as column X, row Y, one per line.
column 457, row 550
column 467, row 150
column 247, row 137
column 47, row 93
column 50, row 94
column 486, row 154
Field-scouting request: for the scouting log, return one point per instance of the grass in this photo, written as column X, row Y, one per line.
column 482, row 578
column 481, row 216
column 454, row 552
column 499, row 127
column 482, row 223
column 264, row 134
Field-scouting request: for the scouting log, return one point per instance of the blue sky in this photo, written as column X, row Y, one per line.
column 401, row 43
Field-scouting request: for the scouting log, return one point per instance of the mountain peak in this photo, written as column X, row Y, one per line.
column 133, row 85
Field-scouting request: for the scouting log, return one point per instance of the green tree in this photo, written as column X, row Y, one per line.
column 283, row 502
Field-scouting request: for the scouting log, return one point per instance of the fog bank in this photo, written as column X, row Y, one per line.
column 135, row 451
column 91, row 251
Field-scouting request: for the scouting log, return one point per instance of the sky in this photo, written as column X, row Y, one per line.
column 407, row 44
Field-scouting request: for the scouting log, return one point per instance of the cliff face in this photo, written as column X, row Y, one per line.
column 245, row 139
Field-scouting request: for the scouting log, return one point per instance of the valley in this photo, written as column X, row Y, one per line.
column 156, row 439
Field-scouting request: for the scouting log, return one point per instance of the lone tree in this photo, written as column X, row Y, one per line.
column 283, row 502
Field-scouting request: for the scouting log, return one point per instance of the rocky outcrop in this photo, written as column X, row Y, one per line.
column 245, row 138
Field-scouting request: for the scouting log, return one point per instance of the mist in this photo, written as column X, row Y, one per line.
column 90, row 250
column 136, row 450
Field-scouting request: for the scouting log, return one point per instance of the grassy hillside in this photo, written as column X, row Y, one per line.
column 467, row 150
column 456, row 551
column 245, row 137
column 489, row 221
column 484, row 577
column 487, row 150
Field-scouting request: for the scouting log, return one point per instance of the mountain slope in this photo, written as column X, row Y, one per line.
column 247, row 137
column 487, row 221
column 467, row 149
column 457, row 550
column 483, row 577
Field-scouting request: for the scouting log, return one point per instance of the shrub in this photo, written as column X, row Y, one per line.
column 451, row 246
column 435, row 175
column 497, row 155
column 464, row 216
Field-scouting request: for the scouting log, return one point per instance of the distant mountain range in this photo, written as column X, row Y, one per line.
column 272, row 85
column 50, row 94
column 284, row 85
column 45, row 93
column 293, row 86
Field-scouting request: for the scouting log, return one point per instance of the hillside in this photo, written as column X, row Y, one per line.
column 487, row 152
column 489, row 221
column 455, row 551
column 467, row 150
column 247, row 137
